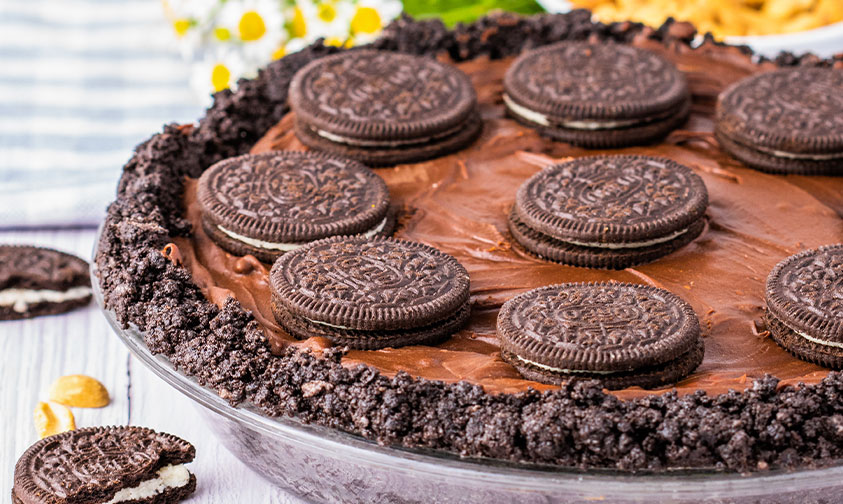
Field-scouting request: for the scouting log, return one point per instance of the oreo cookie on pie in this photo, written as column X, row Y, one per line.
column 621, row 334
column 609, row 211
column 805, row 305
column 38, row 281
column 596, row 95
column 370, row 293
column 384, row 108
column 101, row 465
column 787, row 121
column 268, row 204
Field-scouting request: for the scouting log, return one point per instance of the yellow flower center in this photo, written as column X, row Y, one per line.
column 222, row 34
column 280, row 52
column 251, row 26
column 220, row 77
column 326, row 12
column 298, row 27
column 181, row 26
column 366, row 20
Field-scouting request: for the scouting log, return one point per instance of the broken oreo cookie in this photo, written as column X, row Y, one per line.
column 384, row 108
column 370, row 293
column 38, row 281
column 787, row 121
column 105, row 465
column 268, row 204
column 621, row 334
column 805, row 305
column 609, row 211
column 597, row 95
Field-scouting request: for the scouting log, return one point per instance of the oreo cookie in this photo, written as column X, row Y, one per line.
column 621, row 334
column 37, row 281
column 596, row 95
column 370, row 293
column 384, row 108
column 105, row 465
column 805, row 305
column 272, row 203
column 609, row 211
column 787, row 121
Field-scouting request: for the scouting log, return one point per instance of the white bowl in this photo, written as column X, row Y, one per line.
column 825, row 41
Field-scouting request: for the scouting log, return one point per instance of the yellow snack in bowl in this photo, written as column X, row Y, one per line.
column 723, row 17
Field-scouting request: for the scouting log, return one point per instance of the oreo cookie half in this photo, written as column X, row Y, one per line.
column 788, row 121
column 38, row 281
column 370, row 293
column 805, row 305
column 621, row 334
column 268, row 204
column 384, row 108
column 597, row 95
column 105, row 465
column 609, row 211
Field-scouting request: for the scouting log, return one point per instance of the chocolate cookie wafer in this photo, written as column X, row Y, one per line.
column 787, row 121
column 596, row 95
column 384, row 108
column 609, row 211
column 370, row 293
column 38, row 281
column 99, row 465
column 621, row 334
column 805, row 305
column 268, row 204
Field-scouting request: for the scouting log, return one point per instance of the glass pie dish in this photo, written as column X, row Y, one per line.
column 320, row 464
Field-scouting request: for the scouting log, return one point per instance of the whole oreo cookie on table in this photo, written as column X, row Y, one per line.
column 621, row 334
column 370, row 293
column 37, row 281
column 597, row 95
column 788, row 121
column 268, row 204
column 805, row 305
column 101, row 465
column 384, row 108
column 609, row 211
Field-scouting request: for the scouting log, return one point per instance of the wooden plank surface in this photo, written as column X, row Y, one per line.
column 35, row 352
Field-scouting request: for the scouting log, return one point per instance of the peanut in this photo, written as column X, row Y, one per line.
column 79, row 391
column 51, row 419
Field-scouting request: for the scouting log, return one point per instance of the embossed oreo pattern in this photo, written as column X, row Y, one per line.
column 293, row 196
column 598, row 327
column 582, row 80
column 365, row 94
column 794, row 110
column 94, row 462
column 612, row 199
column 805, row 292
column 380, row 283
column 40, row 268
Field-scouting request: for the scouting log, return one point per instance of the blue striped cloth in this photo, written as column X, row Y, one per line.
column 81, row 83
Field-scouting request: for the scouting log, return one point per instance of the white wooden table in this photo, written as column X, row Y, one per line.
column 35, row 352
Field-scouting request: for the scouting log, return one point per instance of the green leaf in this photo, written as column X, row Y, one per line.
column 455, row 11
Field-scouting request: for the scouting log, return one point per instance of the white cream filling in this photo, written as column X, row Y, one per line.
column 287, row 247
column 639, row 244
column 169, row 476
column 20, row 299
column 543, row 120
column 561, row 370
column 834, row 344
column 791, row 155
column 327, row 324
column 356, row 142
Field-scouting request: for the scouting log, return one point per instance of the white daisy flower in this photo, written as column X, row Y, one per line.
column 257, row 25
column 328, row 19
column 371, row 16
column 216, row 71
